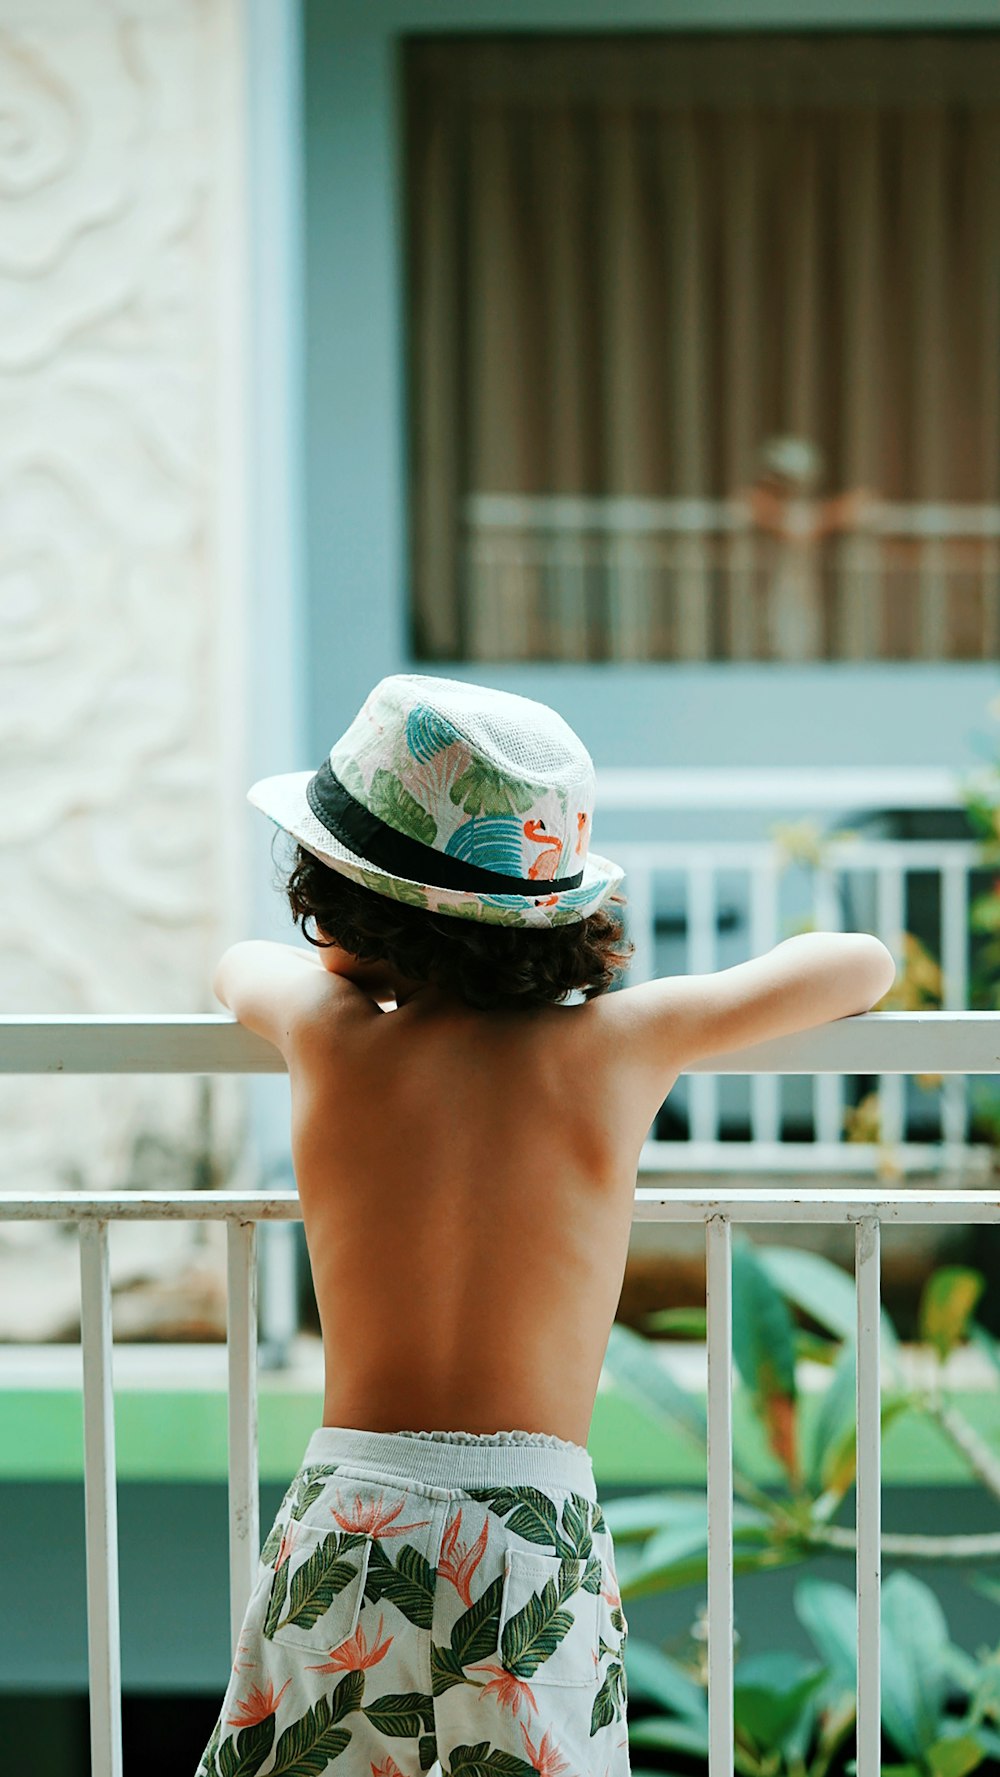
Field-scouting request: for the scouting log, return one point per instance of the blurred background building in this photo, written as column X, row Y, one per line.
column 590, row 347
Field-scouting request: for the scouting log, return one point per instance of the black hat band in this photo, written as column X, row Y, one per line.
column 373, row 839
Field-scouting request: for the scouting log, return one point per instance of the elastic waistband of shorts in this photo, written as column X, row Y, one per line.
column 459, row 1459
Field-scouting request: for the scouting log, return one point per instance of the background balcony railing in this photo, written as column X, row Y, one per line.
column 890, row 1044
column 575, row 578
column 698, row 905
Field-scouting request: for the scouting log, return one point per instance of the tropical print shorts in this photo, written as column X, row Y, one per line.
column 431, row 1602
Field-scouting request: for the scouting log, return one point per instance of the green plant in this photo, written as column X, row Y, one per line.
column 793, row 1716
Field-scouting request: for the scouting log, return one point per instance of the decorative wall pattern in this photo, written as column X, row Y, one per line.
column 116, row 142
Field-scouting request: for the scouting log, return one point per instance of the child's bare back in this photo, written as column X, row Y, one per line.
column 467, row 1177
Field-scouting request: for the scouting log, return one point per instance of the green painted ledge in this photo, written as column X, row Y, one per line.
column 181, row 1435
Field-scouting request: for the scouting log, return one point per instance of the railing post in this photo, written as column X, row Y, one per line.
column 869, row 1496
column 244, row 1470
column 100, row 1502
column 719, row 1292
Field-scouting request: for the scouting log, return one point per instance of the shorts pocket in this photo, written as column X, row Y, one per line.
column 549, row 1620
column 317, row 1589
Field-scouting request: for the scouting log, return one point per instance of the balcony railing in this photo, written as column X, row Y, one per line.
column 890, row 1044
column 683, row 894
column 575, row 578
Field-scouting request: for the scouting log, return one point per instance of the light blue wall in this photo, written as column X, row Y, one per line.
column 356, row 471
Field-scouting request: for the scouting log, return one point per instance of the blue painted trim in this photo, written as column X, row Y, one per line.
column 355, row 402
column 397, row 16
column 358, row 616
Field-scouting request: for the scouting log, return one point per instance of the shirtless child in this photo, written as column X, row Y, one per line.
column 438, row 1591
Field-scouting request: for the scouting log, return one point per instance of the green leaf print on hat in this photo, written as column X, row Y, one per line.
column 428, row 733
column 392, row 802
column 492, row 841
column 474, row 910
column 483, row 789
column 393, row 889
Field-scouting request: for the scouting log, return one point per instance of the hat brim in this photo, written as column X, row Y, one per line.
column 283, row 799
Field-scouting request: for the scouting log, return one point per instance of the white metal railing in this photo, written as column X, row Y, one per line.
column 686, row 877
column 618, row 577
column 886, row 1043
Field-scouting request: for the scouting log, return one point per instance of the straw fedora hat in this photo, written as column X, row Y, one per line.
column 453, row 797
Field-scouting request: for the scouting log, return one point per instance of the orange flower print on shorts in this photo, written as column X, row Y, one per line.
column 398, row 1628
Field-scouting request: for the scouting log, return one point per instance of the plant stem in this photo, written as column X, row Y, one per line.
column 985, row 1547
column 967, row 1441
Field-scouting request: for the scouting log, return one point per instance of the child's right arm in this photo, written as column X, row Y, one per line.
column 804, row 981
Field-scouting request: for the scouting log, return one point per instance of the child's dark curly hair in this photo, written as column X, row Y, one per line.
column 488, row 966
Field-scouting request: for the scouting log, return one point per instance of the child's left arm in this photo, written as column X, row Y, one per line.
column 271, row 988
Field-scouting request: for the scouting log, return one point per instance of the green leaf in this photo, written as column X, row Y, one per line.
column 820, row 1289
column 345, row 1696
column 644, row 1514
column 307, row 1496
column 389, row 798
column 427, row 1750
column 473, row 1638
column 771, row 1693
column 243, row 1754
column 409, row 1585
column 947, row 1306
column 686, row 1323
column 485, row 789
column 276, row 1601
column 574, row 1538
column 530, row 1513
column 482, row 1761
column 272, row 1545
column 841, row 1463
column 608, row 1704
column 653, row 1675
column 676, row 1567
column 816, row 1348
column 914, row 1684
column 833, row 1422
column 764, row 1350
column 534, row 1632
column 402, row 1713
column 955, row 1757
column 309, row 1744
column 317, row 1582
column 988, row 1585
column 635, row 1366
column 672, row 1735
column 446, row 1669
column 828, row 1613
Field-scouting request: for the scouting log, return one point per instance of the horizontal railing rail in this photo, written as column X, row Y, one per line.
column 207, row 1043
column 882, row 1042
column 800, row 787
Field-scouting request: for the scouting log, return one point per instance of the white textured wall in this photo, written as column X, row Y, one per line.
column 121, row 609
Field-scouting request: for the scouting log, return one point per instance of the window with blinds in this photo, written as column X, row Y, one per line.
column 704, row 347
